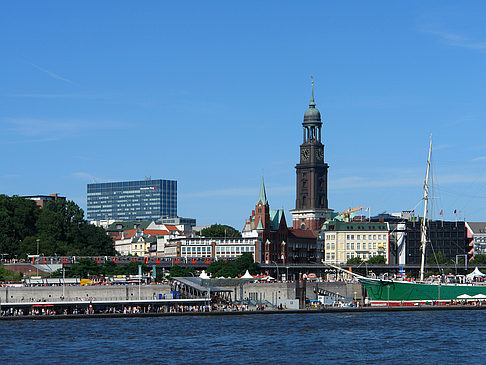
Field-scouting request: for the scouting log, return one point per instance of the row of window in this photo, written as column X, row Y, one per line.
column 364, row 256
column 358, row 246
column 219, row 250
column 210, row 240
column 366, row 236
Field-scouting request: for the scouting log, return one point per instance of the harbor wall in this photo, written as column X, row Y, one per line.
column 81, row 293
column 276, row 292
column 273, row 293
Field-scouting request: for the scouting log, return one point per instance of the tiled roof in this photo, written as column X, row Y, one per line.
column 477, row 227
column 171, row 227
column 302, row 233
column 129, row 233
column 156, row 232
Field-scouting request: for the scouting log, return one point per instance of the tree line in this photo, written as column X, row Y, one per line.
column 59, row 228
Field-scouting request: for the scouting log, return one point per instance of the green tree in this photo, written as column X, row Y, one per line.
column 477, row 260
column 59, row 226
column 354, row 261
column 437, row 259
column 179, row 271
column 220, row 230
column 233, row 268
column 7, row 275
column 376, row 260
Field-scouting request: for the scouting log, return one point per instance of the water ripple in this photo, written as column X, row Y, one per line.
column 407, row 337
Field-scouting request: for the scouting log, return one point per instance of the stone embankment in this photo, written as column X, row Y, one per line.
column 254, row 312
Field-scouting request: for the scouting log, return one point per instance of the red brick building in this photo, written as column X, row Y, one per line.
column 280, row 244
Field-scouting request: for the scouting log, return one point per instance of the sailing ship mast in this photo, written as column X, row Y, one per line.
column 423, row 226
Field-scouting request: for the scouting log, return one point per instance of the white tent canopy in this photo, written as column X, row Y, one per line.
column 204, row 275
column 475, row 274
column 464, row 296
column 247, row 275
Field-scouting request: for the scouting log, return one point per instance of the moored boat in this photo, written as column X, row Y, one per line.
column 385, row 292
column 395, row 292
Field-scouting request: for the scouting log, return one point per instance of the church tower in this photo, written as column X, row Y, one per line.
column 311, row 205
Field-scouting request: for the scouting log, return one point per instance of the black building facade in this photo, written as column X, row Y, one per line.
column 449, row 238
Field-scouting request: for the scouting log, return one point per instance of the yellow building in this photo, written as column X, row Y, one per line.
column 345, row 240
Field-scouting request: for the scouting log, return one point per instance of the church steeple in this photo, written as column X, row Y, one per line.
column 262, row 197
column 312, row 122
column 312, row 102
column 311, row 204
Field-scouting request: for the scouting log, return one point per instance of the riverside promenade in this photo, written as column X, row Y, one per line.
column 212, row 313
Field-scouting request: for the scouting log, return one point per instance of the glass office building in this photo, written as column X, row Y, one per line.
column 132, row 200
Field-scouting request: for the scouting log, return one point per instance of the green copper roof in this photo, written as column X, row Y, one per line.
column 312, row 102
column 353, row 226
column 124, row 226
column 312, row 115
column 275, row 218
column 263, row 194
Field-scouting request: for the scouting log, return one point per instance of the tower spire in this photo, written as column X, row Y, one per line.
column 312, row 103
column 263, row 194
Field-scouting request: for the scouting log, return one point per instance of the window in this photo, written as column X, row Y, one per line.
column 347, row 246
column 358, row 246
column 352, row 246
column 364, row 246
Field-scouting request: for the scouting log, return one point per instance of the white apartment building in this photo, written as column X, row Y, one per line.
column 219, row 248
column 345, row 240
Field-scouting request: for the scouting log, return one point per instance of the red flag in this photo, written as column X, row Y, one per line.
column 455, row 211
column 440, row 212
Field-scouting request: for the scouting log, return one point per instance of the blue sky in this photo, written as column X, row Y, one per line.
column 212, row 94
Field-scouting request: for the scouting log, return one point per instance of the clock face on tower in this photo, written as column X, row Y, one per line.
column 305, row 154
column 319, row 155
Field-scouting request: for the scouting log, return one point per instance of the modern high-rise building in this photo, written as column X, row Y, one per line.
column 132, row 200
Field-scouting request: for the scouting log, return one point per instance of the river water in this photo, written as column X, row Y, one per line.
column 340, row 338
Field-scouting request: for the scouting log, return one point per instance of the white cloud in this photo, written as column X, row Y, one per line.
column 456, row 40
column 87, row 176
column 75, row 96
column 222, row 192
column 43, row 130
column 481, row 158
column 51, row 74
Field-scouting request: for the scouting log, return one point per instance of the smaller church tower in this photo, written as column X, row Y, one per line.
column 262, row 209
column 311, row 204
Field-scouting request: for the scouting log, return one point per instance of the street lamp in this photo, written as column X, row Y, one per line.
column 275, row 262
